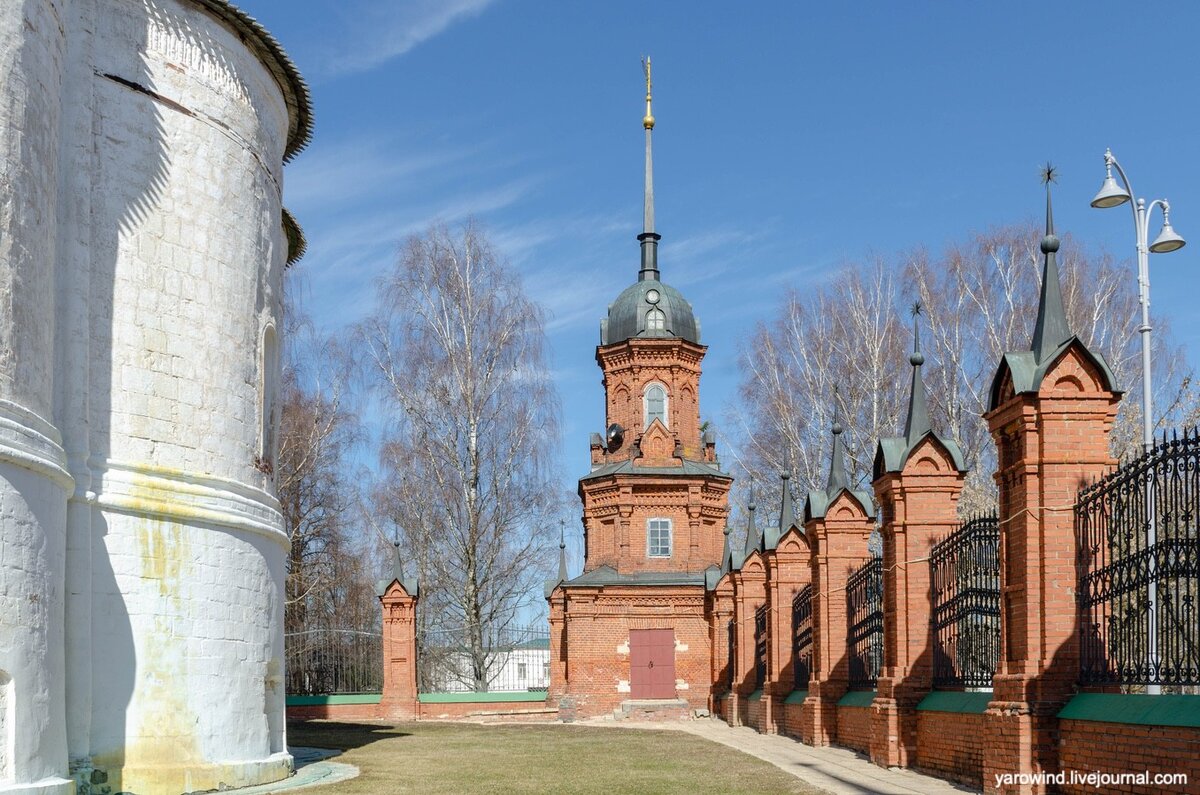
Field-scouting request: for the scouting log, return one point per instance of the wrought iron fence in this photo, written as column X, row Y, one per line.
column 760, row 645
column 331, row 661
column 864, row 609
column 965, row 572
column 802, row 637
column 1122, row 574
column 731, row 649
column 506, row 660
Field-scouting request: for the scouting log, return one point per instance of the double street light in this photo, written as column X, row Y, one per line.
column 1113, row 195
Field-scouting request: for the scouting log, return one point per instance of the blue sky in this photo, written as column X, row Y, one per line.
column 791, row 138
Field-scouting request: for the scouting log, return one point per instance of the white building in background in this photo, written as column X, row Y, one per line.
column 142, row 247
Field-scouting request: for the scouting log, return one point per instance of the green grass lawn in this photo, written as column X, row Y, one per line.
column 432, row 757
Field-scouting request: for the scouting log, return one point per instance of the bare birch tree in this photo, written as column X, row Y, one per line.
column 980, row 300
column 459, row 355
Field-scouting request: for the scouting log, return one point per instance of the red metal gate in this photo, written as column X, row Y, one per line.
column 652, row 663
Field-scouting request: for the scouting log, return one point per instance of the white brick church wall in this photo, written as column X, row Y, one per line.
column 141, row 257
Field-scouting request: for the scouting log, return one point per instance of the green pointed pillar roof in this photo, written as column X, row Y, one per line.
column 818, row 501
column 892, row 454
column 1052, row 333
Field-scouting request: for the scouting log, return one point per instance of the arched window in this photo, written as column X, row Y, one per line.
column 655, row 404
column 655, row 320
column 269, row 397
column 658, row 538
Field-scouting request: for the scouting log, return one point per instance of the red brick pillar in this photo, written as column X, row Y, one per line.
column 720, row 609
column 558, row 651
column 789, row 568
column 399, row 698
column 920, row 507
column 1052, row 436
column 839, row 538
column 750, row 594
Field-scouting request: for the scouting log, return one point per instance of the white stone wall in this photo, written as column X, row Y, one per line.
column 33, row 481
column 141, row 259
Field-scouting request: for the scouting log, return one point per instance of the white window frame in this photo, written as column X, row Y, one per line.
column 656, row 319
column 670, row 528
column 666, row 412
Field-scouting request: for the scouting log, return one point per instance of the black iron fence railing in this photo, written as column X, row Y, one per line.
column 802, row 637
column 864, row 611
column 1139, row 570
column 332, row 661
column 512, row 659
column 965, row 573
column 760, row 646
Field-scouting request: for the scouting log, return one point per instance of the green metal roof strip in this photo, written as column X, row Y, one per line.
column 955, row 701
column 796, row 697
column 627, row 467
column 755, row 696
column 482, row 698
column 333, row 700
column 273, row 56
column 857, row 698
column 1143, row 710
column 297, row 244
column 606, row 575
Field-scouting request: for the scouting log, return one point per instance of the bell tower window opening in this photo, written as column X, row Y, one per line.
column 656, row 320
column 658, row 538
column 655, row 401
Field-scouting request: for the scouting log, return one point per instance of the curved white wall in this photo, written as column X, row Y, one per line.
column 33, row 480
column 141, row 255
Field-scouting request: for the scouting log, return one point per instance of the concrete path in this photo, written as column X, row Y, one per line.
column 313, row 769
column 836, row 770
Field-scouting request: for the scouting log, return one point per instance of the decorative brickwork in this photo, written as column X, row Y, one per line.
column 1050, row 441
column 839, row 540
column 920, row 506
column 399, row 653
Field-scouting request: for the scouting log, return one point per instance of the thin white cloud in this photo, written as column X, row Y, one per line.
column 383, row 31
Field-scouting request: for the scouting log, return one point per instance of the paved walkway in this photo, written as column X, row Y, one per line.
column 313, row 769
column 836, row 770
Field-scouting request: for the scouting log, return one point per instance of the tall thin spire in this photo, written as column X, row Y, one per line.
column 917, row 424
column 562, row 551
column 398, row 565
column 787, row 514
column 837, row 461
column 1051, row 329
column 648, row 238
column 753, row 537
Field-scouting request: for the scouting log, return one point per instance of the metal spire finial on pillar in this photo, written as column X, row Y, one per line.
column 648, row 238
column 753, row 537
column 1051, row 329
column 562, row 550
column 837, row 461
column 398, row 565
column 787, row 514
column 917, row 424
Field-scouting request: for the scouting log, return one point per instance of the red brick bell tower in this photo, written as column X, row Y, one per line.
column 629, row 634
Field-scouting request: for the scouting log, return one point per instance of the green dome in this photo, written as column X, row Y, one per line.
column 627, row 316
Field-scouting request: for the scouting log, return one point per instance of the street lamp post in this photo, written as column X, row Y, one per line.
column 1113, row 195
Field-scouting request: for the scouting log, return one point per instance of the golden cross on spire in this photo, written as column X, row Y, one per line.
column 648, row 120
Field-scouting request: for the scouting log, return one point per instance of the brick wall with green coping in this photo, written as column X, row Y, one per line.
column 854, row 720
column 950, row 731
column 366, row 706
column 1115, row 733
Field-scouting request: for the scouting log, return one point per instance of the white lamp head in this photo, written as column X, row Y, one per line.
column 1111, row 194
column 1168, row 239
